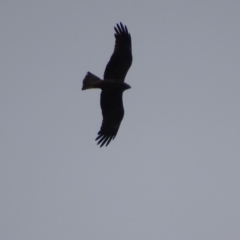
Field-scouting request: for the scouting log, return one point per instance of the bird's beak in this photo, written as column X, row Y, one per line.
column 128, row 86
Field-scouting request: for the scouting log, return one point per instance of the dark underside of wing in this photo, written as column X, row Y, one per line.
column 121, row 58
column 113, row 112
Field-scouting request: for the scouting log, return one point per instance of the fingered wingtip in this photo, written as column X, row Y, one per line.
column 121, row 29
column 104, row 139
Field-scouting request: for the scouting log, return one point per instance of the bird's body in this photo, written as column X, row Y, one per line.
column 112, row 85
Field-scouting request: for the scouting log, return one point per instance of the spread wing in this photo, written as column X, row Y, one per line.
column 121, row 58
column 113, row 112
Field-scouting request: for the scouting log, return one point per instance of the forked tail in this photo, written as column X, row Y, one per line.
column 90, row 81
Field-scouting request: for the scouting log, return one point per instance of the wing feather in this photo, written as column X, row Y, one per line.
column 121, row 59
column 113, row 112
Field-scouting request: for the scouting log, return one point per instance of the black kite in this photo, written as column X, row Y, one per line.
column 112, row 85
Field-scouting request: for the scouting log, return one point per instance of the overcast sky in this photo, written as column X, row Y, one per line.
column 172, row 172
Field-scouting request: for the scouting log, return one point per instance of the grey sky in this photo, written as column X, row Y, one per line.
column 171, row 173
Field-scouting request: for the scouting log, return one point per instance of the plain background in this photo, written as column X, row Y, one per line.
column 171, row 173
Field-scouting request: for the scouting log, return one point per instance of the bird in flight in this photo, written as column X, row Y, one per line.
column 112, row 85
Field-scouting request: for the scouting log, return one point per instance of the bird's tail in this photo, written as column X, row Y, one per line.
column 91, row 81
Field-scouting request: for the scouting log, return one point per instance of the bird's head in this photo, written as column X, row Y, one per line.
column 126, row 86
